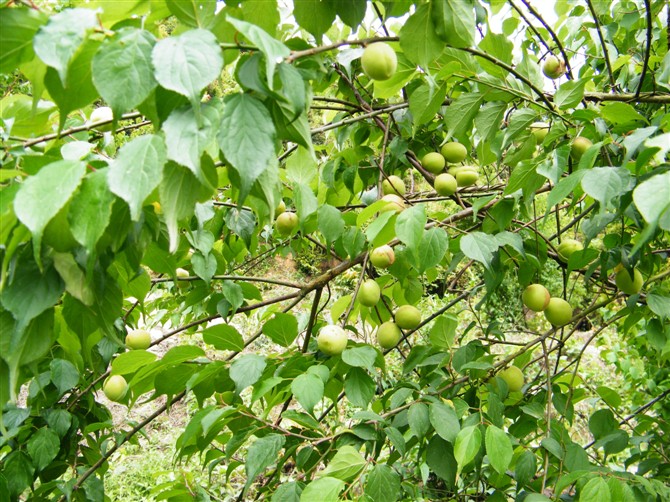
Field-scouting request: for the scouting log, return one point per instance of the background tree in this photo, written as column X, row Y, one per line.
column 157, row 157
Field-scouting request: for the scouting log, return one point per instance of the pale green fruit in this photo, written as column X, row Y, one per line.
column 281, row 207
column 433, row 162
column 181, row 272
column 226, row 397
column 454, row 170
column 558, row 312
column 536, row 297
column 393, row 185
column 382, row 257
column 513, row 377
column 115, row 388
column 396, row 203
column 379, row 61
column 285, row 223
column 369, row 293
column 627, row 284
column 138, row 339
column 388, row 335
column 332, row 340
column 369, row 196
column 445, row 184
column 454, row 152
column 408, row 317
column 553, row 67
column 539, row 130
column 579, row 146
column 566, row 248
column 101, row 114
column 466, row 177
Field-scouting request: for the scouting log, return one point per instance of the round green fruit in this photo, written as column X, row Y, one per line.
column 181, row 273
column 369, row 293
column 433, row 162
column 513, row 377
column 115, row 388
column 627, row 284
column 536, row 297
column 396, row 203
column 379, row 61
column 138, row 339
column 286, row 223
column 553, row 67
column 466, row 177
column 558, row 312
column 579, row 147
column 539, row 130
column 281, row 207
column 454, row 152
column 445, row 184
column 393, row 185
column 408, row 317
column 388, row 335
column 332, row 340
column 102, row 114
column 566, row 248
column 382, row 257
column 225, row 398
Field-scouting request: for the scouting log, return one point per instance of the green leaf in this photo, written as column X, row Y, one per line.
column 197, row 14
column 596, row 490
column 480, row 247
column 137, row 171
column 519, row 122
column 262, row 453
column 331, row 223
column 351, row 12
column 454, row 22
column 418, row 39
column 246, row 137
column 419, row 420
column 223, row 337
column 188, row 63
column 322, row 490
column 287, row 492
column 498, row 448
column 57, row 42
column 43, row 447
column 467, row 445
column 440, row 459
column 122, row 70
column 18, row 471
column 246, row 370
column 489, row 119
column 444, row 420
column 652, row 197
column 360, row 357
column 187, row 139
column 410, row 224
column 315, row 16
column 59, row 179
column 346, row 464
column 443, row 332
column 461, row 112
column 659, row 304
column 91, row 209
column 64, row 375
column 17, row 29
column 308, row 390
column 607, row 184
column 620, row 113
column 305, row 201
column 570, row 93
column 425, row 102
column 131, row 361
column 359, row 387
column 526, row 466
column 525, row 178
column 432, row 248
column 281, row 329
column 383, row 484
column 75, row 279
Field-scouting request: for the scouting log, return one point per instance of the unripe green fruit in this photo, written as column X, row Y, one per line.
column 408, row 317
column 433, row 162
column 627, row 284
column 513, row 377
column 553, row 67
column 181, row 272
column 454, row 152
column 138, row 339
column 379, row 61
column 388, row 335
column 558, row 312
column 579, row 147
column 369, row 293
column 115, row 388
column 445, row 184
column 101, row 114
column 382, row 257
column 539, row 130
column 226, row 397
column 454, row 170
column 286, row 223
column 466, row 177
column 393, row 185
column 566, row 248
column 396, row 203
column 369, row 196
column 281, row 207
column 536, row 297
column 332, row 340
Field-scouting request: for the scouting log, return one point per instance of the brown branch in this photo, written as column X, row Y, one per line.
column 647, row 53
column 602, row 43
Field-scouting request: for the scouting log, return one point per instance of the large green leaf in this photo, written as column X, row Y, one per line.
column 383, row 484
column 91, row 209
column 17, row 29
column 315, row 16
column 498, row 448
column 346, row 464
column 281, row 329
column 652, row 197
column 195, row 13
column 261, row 454
column 468, row 442
column 322, row 490
column 308, row 390
column 418, row 39
column 246, row 370
column 607, row 184
column 454, row 22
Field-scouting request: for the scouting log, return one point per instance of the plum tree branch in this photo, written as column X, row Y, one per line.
column 647, row 51
column 602, row 43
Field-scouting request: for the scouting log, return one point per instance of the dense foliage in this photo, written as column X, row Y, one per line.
column 224, row 113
